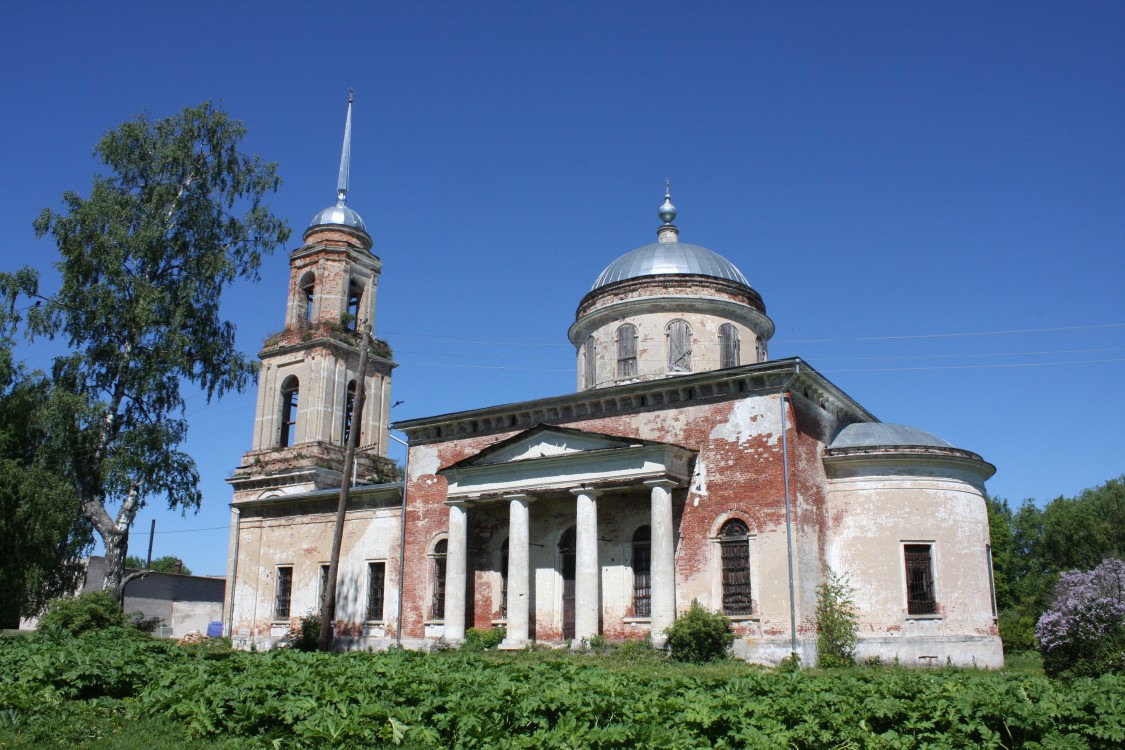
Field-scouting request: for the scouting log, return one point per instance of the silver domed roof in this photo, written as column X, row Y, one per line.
column 669, row 258
column 339, row 214
column 881, row 434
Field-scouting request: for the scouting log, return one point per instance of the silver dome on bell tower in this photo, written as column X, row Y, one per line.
column 340, row 214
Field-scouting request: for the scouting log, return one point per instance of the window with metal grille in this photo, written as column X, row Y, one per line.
column 308, row 286
column 626, row 351
column 729, row 355
column 290, row 395
column 589, row 362
column 504, row 581
column 642, row 572
column 734, row 543
column 376, row 577
column 284, row 595
column 441, row 551
column 323, row 586
column 920, row 598
column 679, row 346
column 349, row 404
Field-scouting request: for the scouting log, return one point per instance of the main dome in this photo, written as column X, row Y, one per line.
column 339, row 215
column 661, row 258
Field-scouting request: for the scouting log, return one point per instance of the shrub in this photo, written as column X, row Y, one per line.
column 699, row 636
column 1083, row 633
column 145, row 624
column 308, row 637
column 790, row 664
column 94, row 610
column 483, row 640
column 837, row 625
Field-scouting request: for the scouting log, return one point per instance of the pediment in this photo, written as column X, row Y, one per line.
column 545, row 441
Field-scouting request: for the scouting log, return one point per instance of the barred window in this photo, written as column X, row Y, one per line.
column 642, row 572
column 729, row 355
column 626, row 351
column 734, row 543
column 376, row 578
column 323, row 585
column 679, row 346
column 504, row 581
column 920, row 599
column 290, row 395
column 437, row 606
column 589, row 362
column 284, row 594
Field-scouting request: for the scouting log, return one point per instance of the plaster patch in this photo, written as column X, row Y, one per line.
column 699, row 481
column 423, row 460
column 751, row 418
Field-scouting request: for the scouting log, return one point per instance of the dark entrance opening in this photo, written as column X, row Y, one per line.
column 567, row 563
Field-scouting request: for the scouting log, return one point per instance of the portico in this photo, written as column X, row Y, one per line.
column 575, row 469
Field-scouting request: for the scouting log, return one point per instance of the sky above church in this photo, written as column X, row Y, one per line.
column 929, row 198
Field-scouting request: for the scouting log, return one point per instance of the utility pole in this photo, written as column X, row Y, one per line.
column 328, row 606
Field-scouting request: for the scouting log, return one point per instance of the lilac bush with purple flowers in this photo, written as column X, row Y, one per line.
column 1083, row 633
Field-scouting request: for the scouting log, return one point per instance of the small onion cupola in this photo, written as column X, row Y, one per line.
column 667, row 308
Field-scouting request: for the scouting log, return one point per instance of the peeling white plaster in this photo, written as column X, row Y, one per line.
column 423, row 460
column 750, row 418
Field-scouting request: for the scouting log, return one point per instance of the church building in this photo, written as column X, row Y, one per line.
column 687, row 466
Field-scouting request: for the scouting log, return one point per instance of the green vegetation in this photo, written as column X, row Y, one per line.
column 92, row 611
column 108, row 691
column 837, row 622
column 699, row 636
column 1032, row 547
column 178, row 214
column 165, row 564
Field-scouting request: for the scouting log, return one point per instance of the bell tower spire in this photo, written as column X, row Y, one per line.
column 346, row 155
column 308, row 380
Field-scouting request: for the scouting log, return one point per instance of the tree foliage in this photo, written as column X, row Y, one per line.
column 837, row 621
column 165, row 564
column 1031, row 547
column 93, row 610
column 179, row 216
column 43, row 535
column 1083, row 633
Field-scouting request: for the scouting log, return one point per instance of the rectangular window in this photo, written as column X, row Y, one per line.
column 284, row 592
column 920, row 598
column 376, row 576
column 323, row 586
column 642, row 580
column 736, row 577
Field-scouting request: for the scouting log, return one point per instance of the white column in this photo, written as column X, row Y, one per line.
column 519, row 572
column 455, row 574
column 663, row 603
column 587, row 573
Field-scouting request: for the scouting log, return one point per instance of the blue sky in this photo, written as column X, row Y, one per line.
column 930, row 198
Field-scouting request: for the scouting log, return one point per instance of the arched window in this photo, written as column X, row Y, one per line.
column 729, row 354
column 763, row 353
column 626, row 351
column 349, row 404
column 734, row 543
column 589, row 363
column 307, row 287
column 568, row 549
column 355, row 297
column 679, row 346
column 441, row 551
column 290, row 393
column 642, row 572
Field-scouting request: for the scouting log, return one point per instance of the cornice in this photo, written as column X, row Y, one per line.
column 361, row 257
column 680, row 390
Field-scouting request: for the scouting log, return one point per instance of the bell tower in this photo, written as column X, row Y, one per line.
column 307, row 383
